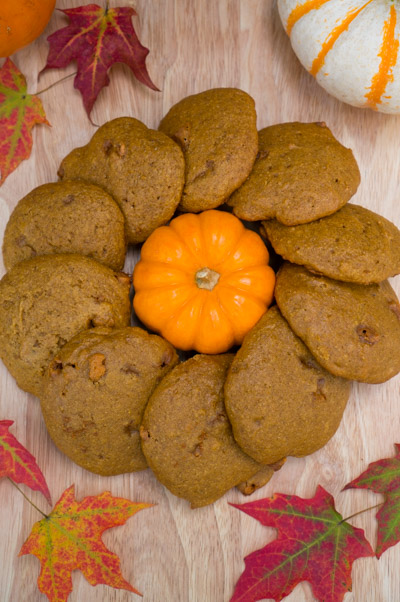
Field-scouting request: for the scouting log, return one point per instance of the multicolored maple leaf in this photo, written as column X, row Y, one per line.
column 383, row 477
column 19, row 112
column 70, row 538
column 17, row 463
column 97, row 38
column 314, row 544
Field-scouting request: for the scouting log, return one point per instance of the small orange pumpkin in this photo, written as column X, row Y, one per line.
column 21, row 22
column 203, row 281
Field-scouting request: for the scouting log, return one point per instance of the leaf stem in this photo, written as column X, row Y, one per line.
column 362, row 511
column 27, row 499
column 57, row 82
column 107, row 6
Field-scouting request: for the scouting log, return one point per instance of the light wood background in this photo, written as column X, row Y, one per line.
column 168, row 552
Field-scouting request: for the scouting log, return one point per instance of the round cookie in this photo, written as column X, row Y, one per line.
column 218, row 135
column 47, row 300
column 66, row 217
column 301, row 173
column 142, row 169
column 279, row 400
column 186, row 435
column 354, row 245
column 94, row 394
column 353, row 330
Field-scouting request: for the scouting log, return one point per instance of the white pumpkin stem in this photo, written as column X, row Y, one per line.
column 206, row 278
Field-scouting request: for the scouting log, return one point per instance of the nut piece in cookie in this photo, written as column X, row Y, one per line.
column 217, row 132
column 142, row 169
column 66, row 217
column 280, row 401
column 95, row 392
column 301, row 173
column 353, row 330
column 354, row 245
column 47, row 300
column 186, row 436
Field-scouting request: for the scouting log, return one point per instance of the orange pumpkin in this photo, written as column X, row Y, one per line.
column 21, row 22
column 203, row 281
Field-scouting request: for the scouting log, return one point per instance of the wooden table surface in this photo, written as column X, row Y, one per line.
column 169, row 552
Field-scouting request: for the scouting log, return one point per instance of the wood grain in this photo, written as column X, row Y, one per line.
column 168, row 552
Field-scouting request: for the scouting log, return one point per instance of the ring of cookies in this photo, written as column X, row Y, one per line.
column 228, row 372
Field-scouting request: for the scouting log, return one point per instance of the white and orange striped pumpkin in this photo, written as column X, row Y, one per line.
column 350, row 46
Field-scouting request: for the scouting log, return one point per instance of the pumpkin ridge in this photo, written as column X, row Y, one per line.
column 300, row 11
column 333, row 37
column 169, row 265
column 388, row 54
column 179, row 311
column 163, row 287
column 226, row 312
column 243, row 269
column 245, row 292
column 184, row 243
column 210, row 261
column 211, row 297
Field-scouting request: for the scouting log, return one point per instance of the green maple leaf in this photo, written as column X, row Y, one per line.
column 383, row 477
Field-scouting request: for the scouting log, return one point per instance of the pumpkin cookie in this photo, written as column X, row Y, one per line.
column 353, row 330
column 217, row 132
column 186, row 435
column 142, row 169
column 354, row 244
column 94, row 394
column 301, row 173
column 66, row 217
column 279, row 400
column 47, row 300
column 261, row 478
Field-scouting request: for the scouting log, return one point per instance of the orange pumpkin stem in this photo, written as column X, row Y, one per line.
column 206, row 278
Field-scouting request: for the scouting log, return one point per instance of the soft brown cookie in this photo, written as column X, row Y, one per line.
column 142, row 169
column 47, row 300
column 260, row 479
column 186, row 435
column 66, row 217
column 354, row 245
column 353, row 330
column 280, row 401
column 218, row 135
column 95, row 392
column 301, row 173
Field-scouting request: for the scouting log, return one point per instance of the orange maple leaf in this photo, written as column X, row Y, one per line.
column 69, row 538
column 19, row 112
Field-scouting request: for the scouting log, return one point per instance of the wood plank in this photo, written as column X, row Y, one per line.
column 168, row 552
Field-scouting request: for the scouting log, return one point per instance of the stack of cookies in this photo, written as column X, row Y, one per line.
column 115, row 398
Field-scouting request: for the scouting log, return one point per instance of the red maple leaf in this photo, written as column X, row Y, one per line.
column 70, row 538
column 314, row 544
column 383, row 477
column 97, row 38
column 19, row 112
column 18, row 464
